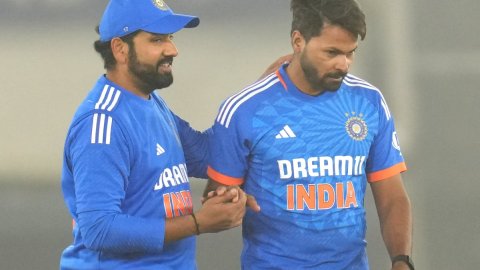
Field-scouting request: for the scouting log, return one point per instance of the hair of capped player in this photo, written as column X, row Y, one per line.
column 105, row 50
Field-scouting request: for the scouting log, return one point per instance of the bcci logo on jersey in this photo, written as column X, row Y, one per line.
column 356, row 127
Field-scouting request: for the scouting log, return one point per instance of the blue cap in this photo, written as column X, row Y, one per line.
column 122, row 17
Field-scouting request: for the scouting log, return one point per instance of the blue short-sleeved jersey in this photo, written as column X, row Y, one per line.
column 307, row 160
column 125, row 171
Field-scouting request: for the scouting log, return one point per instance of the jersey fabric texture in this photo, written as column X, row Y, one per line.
column 307, row 160
column 125, row 172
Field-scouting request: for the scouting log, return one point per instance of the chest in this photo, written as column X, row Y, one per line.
column 157, row 158
column 342, row 126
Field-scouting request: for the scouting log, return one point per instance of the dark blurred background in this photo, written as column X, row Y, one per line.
column 423, row 55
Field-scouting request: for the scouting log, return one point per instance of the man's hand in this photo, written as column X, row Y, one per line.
column 223, row 211
column 400, row 266
column 276, row 65
column 221, row 190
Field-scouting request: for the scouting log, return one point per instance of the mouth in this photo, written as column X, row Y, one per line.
column 165, row 66
column 337, row 77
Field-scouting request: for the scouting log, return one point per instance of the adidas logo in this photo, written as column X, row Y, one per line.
column 285, row 133
column 160, row 150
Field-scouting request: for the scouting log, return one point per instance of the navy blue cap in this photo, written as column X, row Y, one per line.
column 122, row 17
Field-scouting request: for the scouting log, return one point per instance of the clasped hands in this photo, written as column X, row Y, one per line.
column 224, row 208
column 233, row 194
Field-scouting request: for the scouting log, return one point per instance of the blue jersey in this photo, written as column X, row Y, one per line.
column 125, row 171
column 307, row 160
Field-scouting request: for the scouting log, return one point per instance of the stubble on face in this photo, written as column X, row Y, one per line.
column 148, row 77
column 327, row 82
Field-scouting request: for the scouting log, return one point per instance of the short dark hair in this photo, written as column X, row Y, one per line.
column 309, row 16
column 105, row 50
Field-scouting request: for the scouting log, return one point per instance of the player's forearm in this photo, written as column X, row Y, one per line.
column 121, row 234
column 219, row 213
column 396, row 226
column 181, row 227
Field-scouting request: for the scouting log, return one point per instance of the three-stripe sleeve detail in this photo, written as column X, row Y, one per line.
column 351, row 80
column 101, row 122
column 231, row 105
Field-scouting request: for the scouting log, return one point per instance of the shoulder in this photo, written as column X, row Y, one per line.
column 103, row 97
column 359, row 86
column 101, row 108
column 246, row 101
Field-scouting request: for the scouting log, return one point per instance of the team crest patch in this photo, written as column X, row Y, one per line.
column 160, row 4
column 356, row 127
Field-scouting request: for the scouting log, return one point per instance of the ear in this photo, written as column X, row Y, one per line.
column 298, row 41
column 119, row 50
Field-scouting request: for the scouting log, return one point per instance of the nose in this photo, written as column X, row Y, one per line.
column 343, row 63
column 171, row 49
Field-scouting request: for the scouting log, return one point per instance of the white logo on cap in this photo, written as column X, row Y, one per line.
column 160, row 4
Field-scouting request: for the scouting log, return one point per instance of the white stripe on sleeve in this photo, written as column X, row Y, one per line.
column 94, row 128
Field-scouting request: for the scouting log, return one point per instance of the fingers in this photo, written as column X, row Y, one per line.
column 223, row 195
column 286, row 58
column 235, row 196
column 220, row 190
column 233, row 193
column 277, row 64
column 225, row 208
column 220, row 213
column 210, row 194
column 252, row 203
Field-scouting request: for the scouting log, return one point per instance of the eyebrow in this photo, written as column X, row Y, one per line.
column 340, row 51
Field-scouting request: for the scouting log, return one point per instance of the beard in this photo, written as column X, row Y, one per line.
column 320, row 83
column 148, row 79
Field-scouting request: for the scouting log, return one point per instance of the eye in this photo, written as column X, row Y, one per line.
column 162, row 38
column 332, row 53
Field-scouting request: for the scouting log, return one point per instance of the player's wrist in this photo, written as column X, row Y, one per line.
column 196, row 224
column 403, row 260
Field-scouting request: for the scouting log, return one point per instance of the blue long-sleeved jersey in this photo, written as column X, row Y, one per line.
column 126, row 167
column 307, row 161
